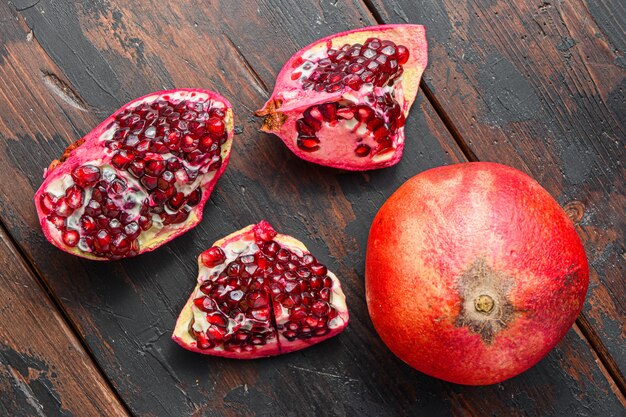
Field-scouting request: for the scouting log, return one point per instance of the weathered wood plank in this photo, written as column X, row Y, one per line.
column 109, row 52
column 540, row 86
column 44, row 369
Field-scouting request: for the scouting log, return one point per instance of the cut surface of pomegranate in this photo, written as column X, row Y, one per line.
column 343, row 100
column 260, row 293
column 140, row 178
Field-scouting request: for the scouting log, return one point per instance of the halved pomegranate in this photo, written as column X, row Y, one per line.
column 260, row 294
column 343, row 100
column 140, row 178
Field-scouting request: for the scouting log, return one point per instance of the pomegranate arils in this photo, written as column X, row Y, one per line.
column 140, row 170
column 381, row 122
column 258, row 296
column 330, row 72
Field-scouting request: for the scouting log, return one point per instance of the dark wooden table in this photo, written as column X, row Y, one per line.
column 538, row 85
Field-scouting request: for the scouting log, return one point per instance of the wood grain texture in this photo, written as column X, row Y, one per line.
column 541, row 86
column 100, row 55
column 44, row 370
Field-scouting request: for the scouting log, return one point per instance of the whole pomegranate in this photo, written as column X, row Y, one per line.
column 343, row 100
column 473, row 273
column 260, row 293
column 140, row 178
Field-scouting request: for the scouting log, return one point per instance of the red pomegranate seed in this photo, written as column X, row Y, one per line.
column 362, row 150
column 74, row 196
column 70, row 237
column 353, row 81
column 297, row 62
column 381, row 133
column 172, row 140
column 203, row 304
column 213, row 257
column 402, row 54
column 308, row 144
column 102, row 242
column 122, row 158
column 345, row 112
column 367, row 76
column 173, row 164
column 137, row 168
column 319, row 270
column 149, row 182
column 154, row 167
column 166, row 180
column 217, row 319
column 159, row 197
column 194, row 197
column 86, row 175
column 121, row 244
column 205, row 143
column 258, row 299
column 368, row 53
column 47, row 203
column 176, row 201
column 189, row 143
column 313, row 117
column 363, row 113
column 215, row 126
column 117, row 186
column 271, row 248
column 304, row 129
column 88, row 224
column 57, row 221
column 203, row 342
column 132, row 230
column 388, row 50
column 63, row 208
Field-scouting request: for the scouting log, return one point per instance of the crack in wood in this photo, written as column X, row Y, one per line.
column 264, row 90
column 63, row 91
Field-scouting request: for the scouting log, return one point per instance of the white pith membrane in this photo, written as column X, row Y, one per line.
column 263, row 322
column 135, row 194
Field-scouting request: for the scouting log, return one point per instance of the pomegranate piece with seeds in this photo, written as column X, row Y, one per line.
column 260, row 293
column 343, row 100
column 140, row 178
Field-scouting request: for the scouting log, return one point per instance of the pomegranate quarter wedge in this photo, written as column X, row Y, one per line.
column 260, row 293
column 342, row 101
column 140, row 178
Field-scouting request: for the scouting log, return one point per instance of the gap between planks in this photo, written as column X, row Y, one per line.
column 582, row 325
column 30, row 266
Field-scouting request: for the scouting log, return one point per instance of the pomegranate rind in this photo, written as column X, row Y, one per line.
column 183, row 337
column 91, row 149
column 289, row 99
column 453, row 234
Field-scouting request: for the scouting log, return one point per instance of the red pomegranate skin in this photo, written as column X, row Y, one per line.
column 473, row 273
